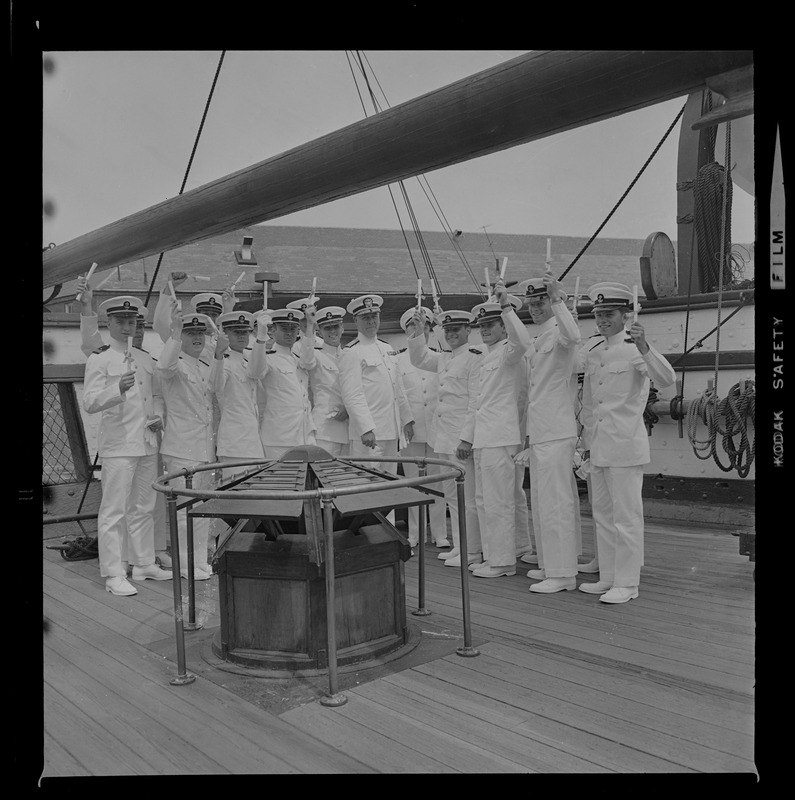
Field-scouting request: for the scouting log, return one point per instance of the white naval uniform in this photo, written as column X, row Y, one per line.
column 129, row 455
column 91, row 340
column 552, row 437
column 324, row 385
column 615, row 391
column 238, row 430
column 373, row 394
column 422, row 392
column 188, row 438
column 496, row 438
column 287, row 416
column 458, row 374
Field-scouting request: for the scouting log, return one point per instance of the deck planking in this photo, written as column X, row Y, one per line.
column 562, row 683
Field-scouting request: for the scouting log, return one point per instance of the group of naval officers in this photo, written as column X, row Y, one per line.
column 232, row 386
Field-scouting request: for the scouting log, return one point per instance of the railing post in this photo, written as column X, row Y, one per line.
column 334, row 698
column 422, row 513
column 467, row 650
column 191, row 624
column 182, row 675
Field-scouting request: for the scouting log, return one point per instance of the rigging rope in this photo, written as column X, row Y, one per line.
column 359, row 58
column 190, row 162
column 728, row 417
column 621, row 199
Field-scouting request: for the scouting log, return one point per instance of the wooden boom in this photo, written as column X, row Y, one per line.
column 527, row 98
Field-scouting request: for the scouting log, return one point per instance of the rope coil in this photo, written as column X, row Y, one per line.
column 727, row 419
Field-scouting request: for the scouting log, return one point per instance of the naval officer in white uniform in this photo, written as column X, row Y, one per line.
column 372, row 390
column 287, row 420
column 494, row 435
column 458, row 373
column 238, row 430
column 328, row 407
column 120, row 383
column 188, row 440
column 551, row 435
column 422, row 392
column 618, row 372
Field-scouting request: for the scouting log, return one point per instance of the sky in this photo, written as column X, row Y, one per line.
column 119, row 129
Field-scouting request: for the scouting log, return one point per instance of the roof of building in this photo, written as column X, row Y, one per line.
column 353, row 260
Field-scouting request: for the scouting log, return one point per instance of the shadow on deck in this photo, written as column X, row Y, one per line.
column 562, row 683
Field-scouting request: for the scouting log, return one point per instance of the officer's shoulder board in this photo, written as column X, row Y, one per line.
column 226, row 355
column 101, row 349
column 318, row 347
column 430, row 348
column 403, row 350
column 382, row 341
column 351, row 344
column 141, row 349
column 203, row 362
column 269, row 352
column 476, row 352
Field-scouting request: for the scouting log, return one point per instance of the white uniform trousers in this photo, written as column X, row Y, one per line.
column 449, row 486
column 497, row 490
column 617, row 503
column 201, row 525
column 437, row 511
column 522, row 533
column 555, row 506
column 126, row 511
column 160, row 521
column 384, row 448
column 336, row 449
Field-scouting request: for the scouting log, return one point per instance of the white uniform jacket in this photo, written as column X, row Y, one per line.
column 458, row 374
column 186, row 383
column 550, row 363
column 122, row 426
column 615, row 391
column 90, row 337
column 495, row 421
column 287, row 414
column 372, row 389
column 324, row 384
column 238, row 429
column 422, row 391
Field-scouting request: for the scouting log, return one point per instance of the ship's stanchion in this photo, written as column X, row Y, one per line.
column 422, row 513
column 467, row 650
column 183, row 676
column 334, row 697
column 191, row 624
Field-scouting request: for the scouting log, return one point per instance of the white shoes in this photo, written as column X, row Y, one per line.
column 620, row 594
column 600, row 587
column 529, row 558
column 449, row 554
column 590, row 567
column 163, row 558
column 120, row 585
column 151, row 572
column 536, row 574
column 488, row 571
column 455, row 561
column 199, row 574
column 551, row 585
column 442, row 543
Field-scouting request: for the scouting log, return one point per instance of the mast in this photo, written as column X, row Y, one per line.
column 527, row 98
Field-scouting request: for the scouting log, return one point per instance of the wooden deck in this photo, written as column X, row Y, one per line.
column 562, row 683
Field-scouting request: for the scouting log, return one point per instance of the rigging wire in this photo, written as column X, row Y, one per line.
column 623, row 196
column 359, row 59
column 190, row 162
column 728, row 417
